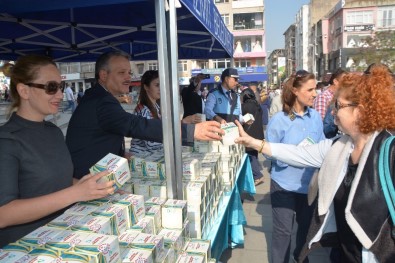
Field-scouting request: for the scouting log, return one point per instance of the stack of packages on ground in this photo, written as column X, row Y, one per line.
column 137, row 223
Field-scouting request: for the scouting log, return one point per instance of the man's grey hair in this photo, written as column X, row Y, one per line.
column 102, row 61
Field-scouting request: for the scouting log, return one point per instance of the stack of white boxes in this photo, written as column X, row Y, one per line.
column 123, row 228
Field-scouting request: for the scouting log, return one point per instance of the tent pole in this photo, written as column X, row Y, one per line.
column 175, row 93
column 165, row 94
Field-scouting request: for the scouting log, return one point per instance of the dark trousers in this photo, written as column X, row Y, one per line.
column 255, row 166
column 287, row 206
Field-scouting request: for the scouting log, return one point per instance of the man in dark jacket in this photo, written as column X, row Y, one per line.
column 99, row 124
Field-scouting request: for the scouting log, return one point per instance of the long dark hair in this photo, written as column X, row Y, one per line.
column 296, row 80
column 146, row 80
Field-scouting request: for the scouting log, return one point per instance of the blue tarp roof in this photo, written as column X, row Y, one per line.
column 80, row 30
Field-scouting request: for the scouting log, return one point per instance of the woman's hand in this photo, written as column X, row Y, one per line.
column 244, row 138
column 88, row 188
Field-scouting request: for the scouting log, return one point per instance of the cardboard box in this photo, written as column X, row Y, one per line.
column 231, row 133
column 174, row 213
column 135, row 204
column 116, row 165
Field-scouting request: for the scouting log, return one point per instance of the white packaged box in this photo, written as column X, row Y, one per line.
column 118, row 214
column 155, row 212
column 39, row 255
column 136, row 164
column 94, row 224
column 194, row 193
column 145, row 225
column 248, row 117
column 82, row 208
column 190, row 168
column 12, row 252
column 174, row 213
column 65, row 221
column 102, row 248
column 155, row 167
column 155, row 201
column 186, row 258
column 116, row 165
column 158, row 189
column 142, row 188
column 135, row 204
column 231, row 133
column 39, row 237
column 135, row 255
column 173, row 238
column 199, row 247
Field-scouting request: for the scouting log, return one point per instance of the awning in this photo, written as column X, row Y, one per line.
column 76, row 30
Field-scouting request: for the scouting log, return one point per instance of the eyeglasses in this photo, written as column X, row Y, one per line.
column 50, row 88
column 339, row 106
column 236, row 79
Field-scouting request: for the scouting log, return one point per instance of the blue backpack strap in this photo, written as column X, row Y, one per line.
column 386, row 179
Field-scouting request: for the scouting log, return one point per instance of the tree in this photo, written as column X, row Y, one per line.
column 378, row 48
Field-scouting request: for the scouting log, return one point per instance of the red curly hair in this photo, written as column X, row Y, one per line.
column 375, row 92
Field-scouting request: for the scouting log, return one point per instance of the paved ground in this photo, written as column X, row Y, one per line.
column 258, row 231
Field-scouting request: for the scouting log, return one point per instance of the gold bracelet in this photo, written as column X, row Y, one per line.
column 263, row 144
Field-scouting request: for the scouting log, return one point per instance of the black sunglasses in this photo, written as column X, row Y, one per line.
column 50, row 88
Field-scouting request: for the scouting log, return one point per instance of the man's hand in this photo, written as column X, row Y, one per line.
column 208, row 131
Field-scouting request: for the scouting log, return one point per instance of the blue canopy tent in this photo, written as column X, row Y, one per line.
column 80, row 30
column 76, row 30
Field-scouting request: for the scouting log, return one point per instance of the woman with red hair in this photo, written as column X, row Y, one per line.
column 351, row 211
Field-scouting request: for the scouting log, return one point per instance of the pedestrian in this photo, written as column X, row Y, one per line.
column 351, row 211
column 99, row 124
column 297, row 123
column 250, row 105
column 36, row 171
column 192, row 100
column 321, row 103
column 276, row 104
column 79, row 95
column 223, row 103
column 70, row 99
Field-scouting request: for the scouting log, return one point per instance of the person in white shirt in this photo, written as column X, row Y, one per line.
column 70, row 99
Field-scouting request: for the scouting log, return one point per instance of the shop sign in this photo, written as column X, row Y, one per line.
column 358, row 28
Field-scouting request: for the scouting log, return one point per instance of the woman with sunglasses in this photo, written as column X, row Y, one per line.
column 35, row 166
column 351, row 211
column 296, row 124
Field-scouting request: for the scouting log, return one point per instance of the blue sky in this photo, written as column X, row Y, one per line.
column 280, row 14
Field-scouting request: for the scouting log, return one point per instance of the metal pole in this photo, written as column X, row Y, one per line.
column 175, row 91
column 165, row 94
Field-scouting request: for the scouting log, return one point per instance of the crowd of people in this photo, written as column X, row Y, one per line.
column 323, row 148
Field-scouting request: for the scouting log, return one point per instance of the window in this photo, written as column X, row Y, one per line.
column 242, row 63
column 225, row 17
column 359, row 17
column 248, row 21
column 87, row 67
column 152, row 66
column 202, row 64
column 221, row 1
column 218, row 63
column 140, row 68
column 248, row 44
column 182, row 66
column 386, row 17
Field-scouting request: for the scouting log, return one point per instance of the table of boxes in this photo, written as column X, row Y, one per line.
column 139, row 224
